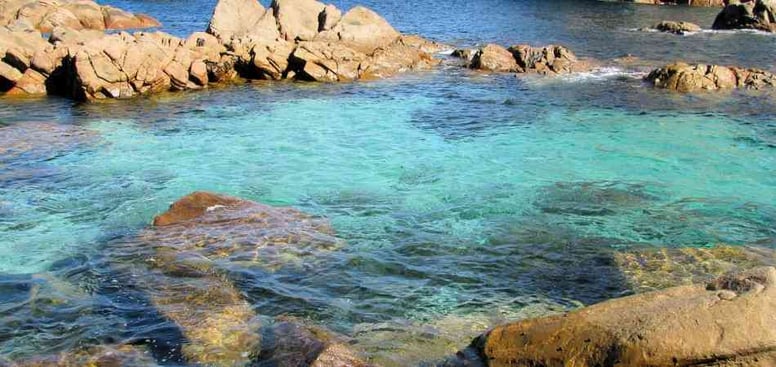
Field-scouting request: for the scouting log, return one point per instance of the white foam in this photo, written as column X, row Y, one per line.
column 603, row 73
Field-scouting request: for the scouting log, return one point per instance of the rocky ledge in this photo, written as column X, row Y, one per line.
column 738, row 14
column 46, row 15
column 727, row 322
column 293, row 39
column 706, row 3
column 685, row 78
column 547, row 60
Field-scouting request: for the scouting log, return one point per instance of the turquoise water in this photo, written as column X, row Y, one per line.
column 456, row 193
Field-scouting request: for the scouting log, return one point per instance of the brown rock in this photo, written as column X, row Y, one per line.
column 494, row 58
column 729, row 322
column 297, row 344
column 677, row 27
column 270, row 60
column 361, row 29
column 59, row 17
column 297, row 19
column 328, row 18
column 758, row 14
column 192, row 206
column 119, row 19
column 550, row 59
column 327, row 62
column 8, row 76
column 685, row 78
column 198, row 72
column 88, row 13
column 32, row 83
column 97, row 356
column 235, row 18
column 402, row 55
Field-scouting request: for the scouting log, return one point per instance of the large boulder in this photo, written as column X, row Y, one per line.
column 184, row 275
column 361, row 29
column 728, row 321
column 759, row 14
column 298, row 20
column 683, row 77
column 328, row 62
column 494, row 58
column 550, row 59
column 677, row 27
column 238, row 18
column 125, row 66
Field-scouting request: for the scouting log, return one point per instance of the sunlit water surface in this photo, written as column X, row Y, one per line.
column 456, row 193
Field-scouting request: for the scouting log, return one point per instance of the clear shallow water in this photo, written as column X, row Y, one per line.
column 456, row 193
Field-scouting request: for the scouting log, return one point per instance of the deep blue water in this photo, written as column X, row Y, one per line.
column 463, row 198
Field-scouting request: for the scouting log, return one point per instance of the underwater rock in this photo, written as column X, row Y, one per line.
column 737, row 14
column 185, row 258
column 725, row 322
column 685, row 78
column 289, row 343
column 98, row 356
column 651, row 268
column 677, row 27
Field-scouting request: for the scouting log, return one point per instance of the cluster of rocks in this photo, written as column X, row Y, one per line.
column 680, row 28
column 293, row 39
column 46, row 15
column 683, row 77
column 737, row 14
column 547, row 60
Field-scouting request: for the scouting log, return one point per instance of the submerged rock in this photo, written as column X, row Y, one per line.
column 97, row 356
column 650, row 268
column 725, row 322
column 684, row 77
column 187, row 253
column 677, row 27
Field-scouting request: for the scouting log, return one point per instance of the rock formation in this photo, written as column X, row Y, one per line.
column 684, row 77
column 45, row 15
column 677, row 27
column 727, row 322
column 304, row 40
column 550, row 59
column 737, row 14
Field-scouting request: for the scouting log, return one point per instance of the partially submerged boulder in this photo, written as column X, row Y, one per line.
column 183, row 272
column 677, row 27
column 683, row 77
column 545, row 60
column 728, row 321
column 96, row 356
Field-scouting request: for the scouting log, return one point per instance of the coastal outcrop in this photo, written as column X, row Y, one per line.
column 46, row 15
column 552, row 59
column 737, row 14
column 677, row 27
column 301, row 40
column 725, row 322
column 705, row 3
column 683, row 77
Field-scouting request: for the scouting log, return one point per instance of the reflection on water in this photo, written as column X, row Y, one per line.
column 459, row 199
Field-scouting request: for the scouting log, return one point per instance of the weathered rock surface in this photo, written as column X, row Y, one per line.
column 187, row 253
column 97, row 356
column 303, row 40
column 684, row 77
column 546, row 60
column 494, row 58
column 677, row 27
column 758, row 14
column 654, row 268
column 45, row 15
column 728, row 322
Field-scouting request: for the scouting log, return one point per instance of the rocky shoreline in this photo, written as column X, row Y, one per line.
column 291, row 40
